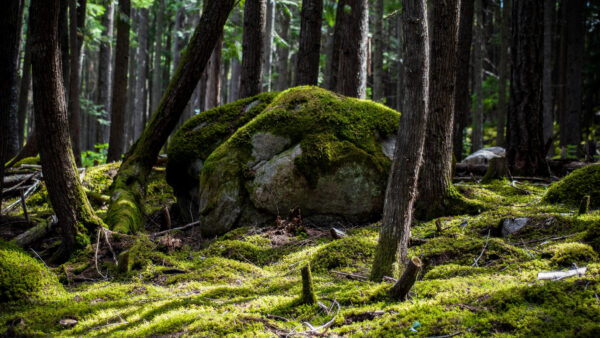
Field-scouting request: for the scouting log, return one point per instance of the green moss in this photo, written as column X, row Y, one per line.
column 23, row 278
column 454, row 203
column 28, row 160
column 574, row 187
column 345, row 252
column 592, row 236
column 567, row 254
column 454, row 270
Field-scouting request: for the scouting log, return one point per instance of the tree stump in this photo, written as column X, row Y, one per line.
column 308, row 289
column 497, row 169
column 584, row 207
column 400, row 290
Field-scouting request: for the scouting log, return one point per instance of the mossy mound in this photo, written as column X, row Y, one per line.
column 573, row 187
column 592, row 236
column 327, row 154
column 24, row 279
column 344, row 252
column 567, row 254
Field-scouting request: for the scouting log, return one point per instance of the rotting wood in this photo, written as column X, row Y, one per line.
column 35, row 233
column 400, row 290
column 308, row 288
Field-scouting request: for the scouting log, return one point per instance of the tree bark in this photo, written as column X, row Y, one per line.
column 547, row 99
column 24, row 93
column 333, row 63
column 158, row 47
column 236, row 67
column 119, row 97
column 76, row 25
column 378, row 89
column 402, row 183
column 75, row 215
column 352, row 74
column 504, row 73
column 435, row 178
column 400, row 290
column 268, row 53
column 283, row 52
column 477, row 134
column 525, row 151
column 213, row 85
column 125, row 213
column 309, row 50
column 104, row 69
column 131, row 77
column 177, row 40
column 139, row 110
column 253, row 47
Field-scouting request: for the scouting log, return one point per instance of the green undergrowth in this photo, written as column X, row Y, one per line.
column 571, row 189
column 475, row 282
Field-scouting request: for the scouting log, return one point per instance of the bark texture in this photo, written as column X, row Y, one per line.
column 547, row 99
column 400, row 290
column 525, row 151
column 253, row 47
column 268, row 51
column 333, row 62
column 504, row 73
column 352, row 73
column 378, row 89
column 402, row 183
column 309, row 51
column 24, row 90
column 283, row 52
column 119, row 97
column 478, row 52
column 125, row 212
column 139, row 109
column 69, row 202
column 158, row 47
column 104, row 69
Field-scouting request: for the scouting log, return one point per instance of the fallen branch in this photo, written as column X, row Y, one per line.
column 14, row 187
column 558, row 275
column 487, row 239
column 189, row 225
column 270, row 316
column 389, row 279
column 24, row 206
column 26, row 195
column 321, row 330
column 350, row 275
column 96, row 254
column 34, row 234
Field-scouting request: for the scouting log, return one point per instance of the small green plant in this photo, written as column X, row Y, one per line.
column 91, row 158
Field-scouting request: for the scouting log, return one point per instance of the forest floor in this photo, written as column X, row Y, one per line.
column 475, row 281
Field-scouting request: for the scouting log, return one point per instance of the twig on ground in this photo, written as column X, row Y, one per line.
column 24, row 206
column 26, row 195
column 115, row 259
column 487, row 239
column 270, row 316
column 189, row 225
column 389, row 279
column 558, row 275
column 14, row 187
column 96, row 254
column 350, row 275
column 321, row 330
column 38, row 256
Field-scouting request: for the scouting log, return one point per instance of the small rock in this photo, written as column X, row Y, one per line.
column 68, row 322
column 510, row 226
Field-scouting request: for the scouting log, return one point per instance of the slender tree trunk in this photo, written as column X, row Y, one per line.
column 125, row 212
column 234, row 82
column 400, row 75
column 268, row 54
column 131, row 81
column 352, row 73
column 104, row 69
column 547, row 99
column 119, row 97
column 142, row 76
column 435, row 178
column 156, row 71
column 252, row 47
column 63, row 33
column 76, row 25
column 177, row 40
column 283, row 52
column 75, row 215
column 402, row 183
column 525, row 151
column 224, row 87
column 477, row 135
column 307, row 68
column 504, row 73
column 24, row 93
column 378, row 89
column 213, row 85
column 334, row 63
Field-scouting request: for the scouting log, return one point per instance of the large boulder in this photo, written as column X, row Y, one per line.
column 573, row 187
column 197, row 139
column 328, row 154
column 484, row 156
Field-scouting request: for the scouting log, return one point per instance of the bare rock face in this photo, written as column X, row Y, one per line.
column 309, row 148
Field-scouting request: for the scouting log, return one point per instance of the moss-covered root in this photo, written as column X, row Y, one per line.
column 400, row 290
column 125, row 213
column 584, row 206
column 308, row 288
column 453, row 204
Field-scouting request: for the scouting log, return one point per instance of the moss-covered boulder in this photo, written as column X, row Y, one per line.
column 328, row 154
column 573, row 187
column 24, row 279
column 197, row 139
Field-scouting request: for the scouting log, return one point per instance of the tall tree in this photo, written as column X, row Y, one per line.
column 76, row 26
column 309, row 50
column 119, row 92
column 283, row 50
column 524, row 129
column 139, row 110
column 333, row 60
column 269, row 36
column 352, row 73
column 478, row 52
column 547, row 99
column 213, row 73
column 158, row 47
column 105, row 67
column 436, row 193
column 462, row 99
column 378, row 89
column 125, row 213
column 504, row 72
column 408, row 155
column 253, row 47
column 75, row 215
column 24, row 90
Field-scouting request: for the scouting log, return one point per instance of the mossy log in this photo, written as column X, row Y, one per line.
column 497, row 169
column 400, row 290
column 34, row 234
column 308, row 289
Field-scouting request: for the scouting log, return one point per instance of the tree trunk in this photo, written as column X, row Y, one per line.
column 547, row 100
column 402, row 183
column 378, row 89
column 177, row 40
column 435, row 180
column 156, row 69
column 477, row 135
column 139, row 110
column 119, row 97
column 213, row 73
column 125, row 212
column 400, row 290
column 252, row 47
column 309, row 51
column 400, row 75
column 76, row 25
column 24, row 93
column 63, row 32
column 104, row 69
column 504, row 73
column 234, row 82
column 268, row 53
column 352, row 73
column 131, row 77
column 524, row 130
column 283, row 52
column 75, row 215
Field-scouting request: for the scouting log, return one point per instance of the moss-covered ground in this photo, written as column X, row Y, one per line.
column 247, row 282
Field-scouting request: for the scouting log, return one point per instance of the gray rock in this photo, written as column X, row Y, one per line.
column 483, row 156
column 388, row 146
column 267, row 145
column 511, row 226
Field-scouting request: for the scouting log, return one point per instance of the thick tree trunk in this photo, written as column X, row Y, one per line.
column 524, row 130
column 139, row 110
column 378, row 89
column 462, row 99
column 158, row 47
column 104, row 69
column 547, row 99
column 234, row 82
column 76, row 25
column 352, row 74
column 478, row 54
column 268, row 53
column 283, row 52
column 435, row 178
column 75, row 215
column 400, row 63
column 125, row 212
column 504, row 73
column 63, row 33
column 253, row 47
column 402, row 183
column 309, row 51
column 119, row 92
